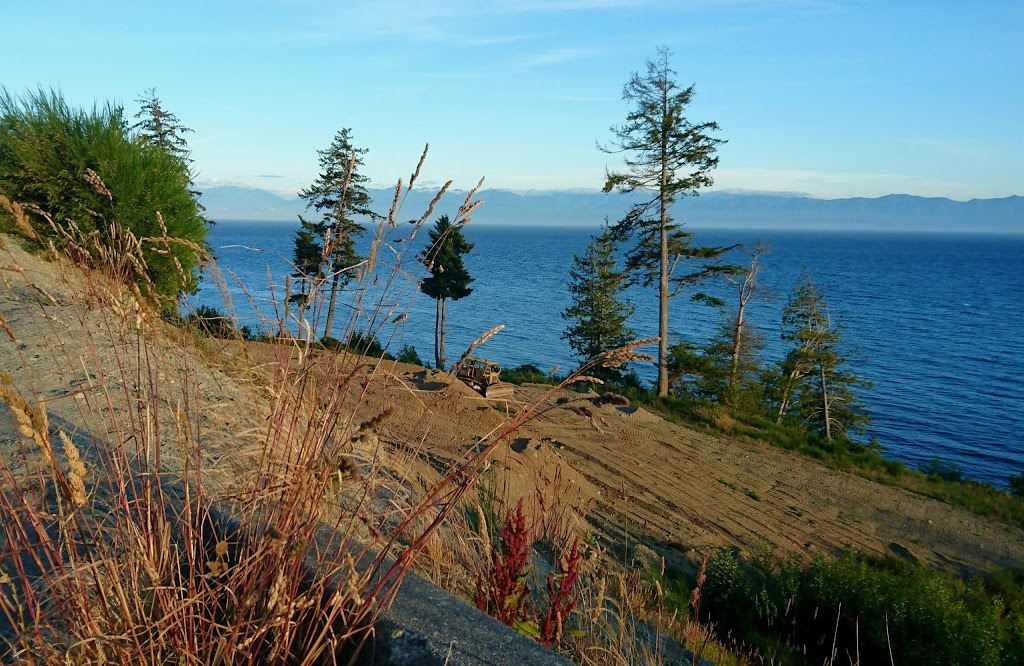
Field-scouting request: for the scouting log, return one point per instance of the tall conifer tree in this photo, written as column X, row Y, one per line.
column 597, row 315
column 339, row 194
column 448, row 277
column 815, row 381
column 159, row 127
column 668, row 156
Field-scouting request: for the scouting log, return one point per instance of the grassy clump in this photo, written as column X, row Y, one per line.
column 835, row 609
column 408, row 354
column 529, row 373
column 363, row 343
column 96, row 179
column 137, row 527
column 211, row 322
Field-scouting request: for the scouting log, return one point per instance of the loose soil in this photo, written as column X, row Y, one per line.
column 637, row 477
column 681, row 491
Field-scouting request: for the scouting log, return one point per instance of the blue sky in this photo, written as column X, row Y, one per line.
column 829, row 98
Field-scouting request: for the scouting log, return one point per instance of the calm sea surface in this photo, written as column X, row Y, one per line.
column 937, row 321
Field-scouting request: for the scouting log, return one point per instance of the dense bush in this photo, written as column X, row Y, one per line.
column 360, row 342
column 526, row 373
column 91, row 174
column 214, row 323
column 868, row 607
column 408, row 354
column 940, row 469
column 1017, row 485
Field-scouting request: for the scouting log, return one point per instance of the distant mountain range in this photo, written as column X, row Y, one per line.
column 895, row 212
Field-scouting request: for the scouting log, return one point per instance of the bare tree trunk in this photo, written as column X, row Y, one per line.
column 663, row 313
column 330, row 307
column 736, row 347
column 287, row 303
column 824, row 402
column 663, row 263
column 437, row 336
column 787, row 395
column 444, row 324
column 747, row 289
column 307, row 295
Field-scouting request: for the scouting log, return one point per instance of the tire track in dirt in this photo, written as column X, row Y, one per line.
column 696, row 490
column 689, row 489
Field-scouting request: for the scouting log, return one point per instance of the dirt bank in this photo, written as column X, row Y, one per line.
column 635, row 473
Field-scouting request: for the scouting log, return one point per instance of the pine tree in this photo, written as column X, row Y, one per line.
column 339, row 194
column 671, row 157
column 598, row 313
column 308, row 259
column 692, row 372
column 158, row 127
column 815, row 382
column 448, row 278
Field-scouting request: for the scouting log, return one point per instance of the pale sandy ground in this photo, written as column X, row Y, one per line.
column 678, row 490
column 651, row 478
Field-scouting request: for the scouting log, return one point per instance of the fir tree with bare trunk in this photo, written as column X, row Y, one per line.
column 730, row 369
column 815, row 382
column 667, row 156
column 448, row 277
column 339, row 195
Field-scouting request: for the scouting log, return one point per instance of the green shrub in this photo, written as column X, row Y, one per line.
column 91, row 174
column 527, row 373
column 940, row 469
column 1017, row 485
column 362, row 343
column 868, row 606
column 212, row 322
column 895, row 468
column 408, row 354
column 727, row 592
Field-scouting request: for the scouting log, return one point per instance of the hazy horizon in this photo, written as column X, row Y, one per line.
column 712, row 210
column 597, row 190
column 833, row 99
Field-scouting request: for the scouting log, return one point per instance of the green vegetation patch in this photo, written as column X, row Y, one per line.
column 867, row 606
column 96, row 179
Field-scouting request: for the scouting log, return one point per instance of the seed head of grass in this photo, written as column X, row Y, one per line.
column 76, row 471
column 625, row 354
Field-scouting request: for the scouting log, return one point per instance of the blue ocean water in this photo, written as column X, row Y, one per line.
column 936, row 320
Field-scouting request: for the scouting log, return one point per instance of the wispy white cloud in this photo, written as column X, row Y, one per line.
column 211, row 183
column 444, row 20
column 453, row 21
column 556, row 56
column 951, row 149
column 496, row 40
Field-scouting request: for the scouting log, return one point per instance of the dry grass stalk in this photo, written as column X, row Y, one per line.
column 160, row 575
column 7, row 329
column 17, row 211
column 487, row 335
column 163, row 577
